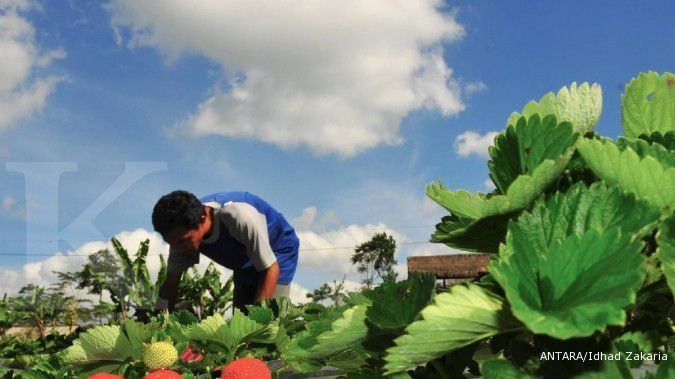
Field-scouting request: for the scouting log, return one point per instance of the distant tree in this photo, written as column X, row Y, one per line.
column 326, row 291
column 101, row 272
column 375, row 258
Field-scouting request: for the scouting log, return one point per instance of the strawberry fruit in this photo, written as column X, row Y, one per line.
column 105, row 375
column 246, row 368
column 163, row 374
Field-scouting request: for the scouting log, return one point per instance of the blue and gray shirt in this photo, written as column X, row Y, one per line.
column 247, row 233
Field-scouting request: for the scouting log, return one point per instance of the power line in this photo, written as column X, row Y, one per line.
column 394, row 228
column 156, row 255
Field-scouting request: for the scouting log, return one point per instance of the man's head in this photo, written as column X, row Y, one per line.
column 182, row 220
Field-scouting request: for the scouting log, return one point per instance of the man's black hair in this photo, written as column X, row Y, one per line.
column 179, row 208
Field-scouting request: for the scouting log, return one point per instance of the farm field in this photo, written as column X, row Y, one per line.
column 581, row 228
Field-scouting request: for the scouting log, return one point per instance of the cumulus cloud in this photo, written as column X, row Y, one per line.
column 330, row 252
column 473, row 143
column 42, row 272
column 474, row 87
column 336, row 77
column 489, row 185
column 308, row 220
column 21, row 93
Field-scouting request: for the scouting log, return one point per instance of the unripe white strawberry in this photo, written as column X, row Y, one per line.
column 159, row 355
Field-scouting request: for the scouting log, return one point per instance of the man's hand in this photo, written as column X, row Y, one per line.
column 169, row 291
column 269, row 282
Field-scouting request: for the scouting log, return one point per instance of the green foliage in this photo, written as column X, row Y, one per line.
column 648, row 177
column 465, row 315
column 648, row 105
column 583, row 234
column 526, row 144
column 577, row 286
column 375, row 257
column 581, row 106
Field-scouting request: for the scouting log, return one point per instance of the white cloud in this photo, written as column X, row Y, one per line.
column 308, row 220
column 330, row 252
column 21, row 94
column 305, row 220
column 489, row 185
column 471, row 142
column 336, row 77
column 474, row 87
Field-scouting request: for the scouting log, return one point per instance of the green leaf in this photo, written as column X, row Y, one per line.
column 647, row 178
column 398, row 304
column 525, row 145
column 346, row 332
column 137, row 337
column 648, row 105
column 207, row 329
column 298, row 353
column 524, row 190
column 482, row 235
column 666, row 140
column 478, row 220
column 581, row 209
column 643, row 149
column 465, row 314
column 581, row 106
column 573, row 288
column 99, row 344
column 617, row 369
column 501, row 369
column 666, row 250
column 666, row 368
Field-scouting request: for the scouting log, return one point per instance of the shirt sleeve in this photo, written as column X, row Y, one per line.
column 180, row 262
column 249, row 227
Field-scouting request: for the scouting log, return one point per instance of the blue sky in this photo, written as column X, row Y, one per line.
column 131, row 83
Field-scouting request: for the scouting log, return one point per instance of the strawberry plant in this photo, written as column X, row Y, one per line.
column 580, row 284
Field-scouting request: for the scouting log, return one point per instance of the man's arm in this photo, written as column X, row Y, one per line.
column 169, row 291
column 269, row 282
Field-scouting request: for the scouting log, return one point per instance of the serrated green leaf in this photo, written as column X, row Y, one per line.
column 501, row 369
column 581, row 209
column 475, row 211
column 647, row 178
column 298, row 353
column 398, row 304
column 482, row 235
column 525, row 145
column 102, row 343
column 581, row 106
column 666, row 140
column 648, row 105
column 465, row 314
column 643, row 149
column 207, row 329
column 346, row 332
column 666, row 250
column 575, row 287
column 137, row 337
column 524, row 190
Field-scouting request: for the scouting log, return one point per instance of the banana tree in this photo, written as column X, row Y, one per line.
column 205, row 294
column 7, row 314
column 135, row 289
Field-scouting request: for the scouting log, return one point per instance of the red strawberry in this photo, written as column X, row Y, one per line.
column 190, row 355
column 105, row 375
column 163, row 374
column 246, row 368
